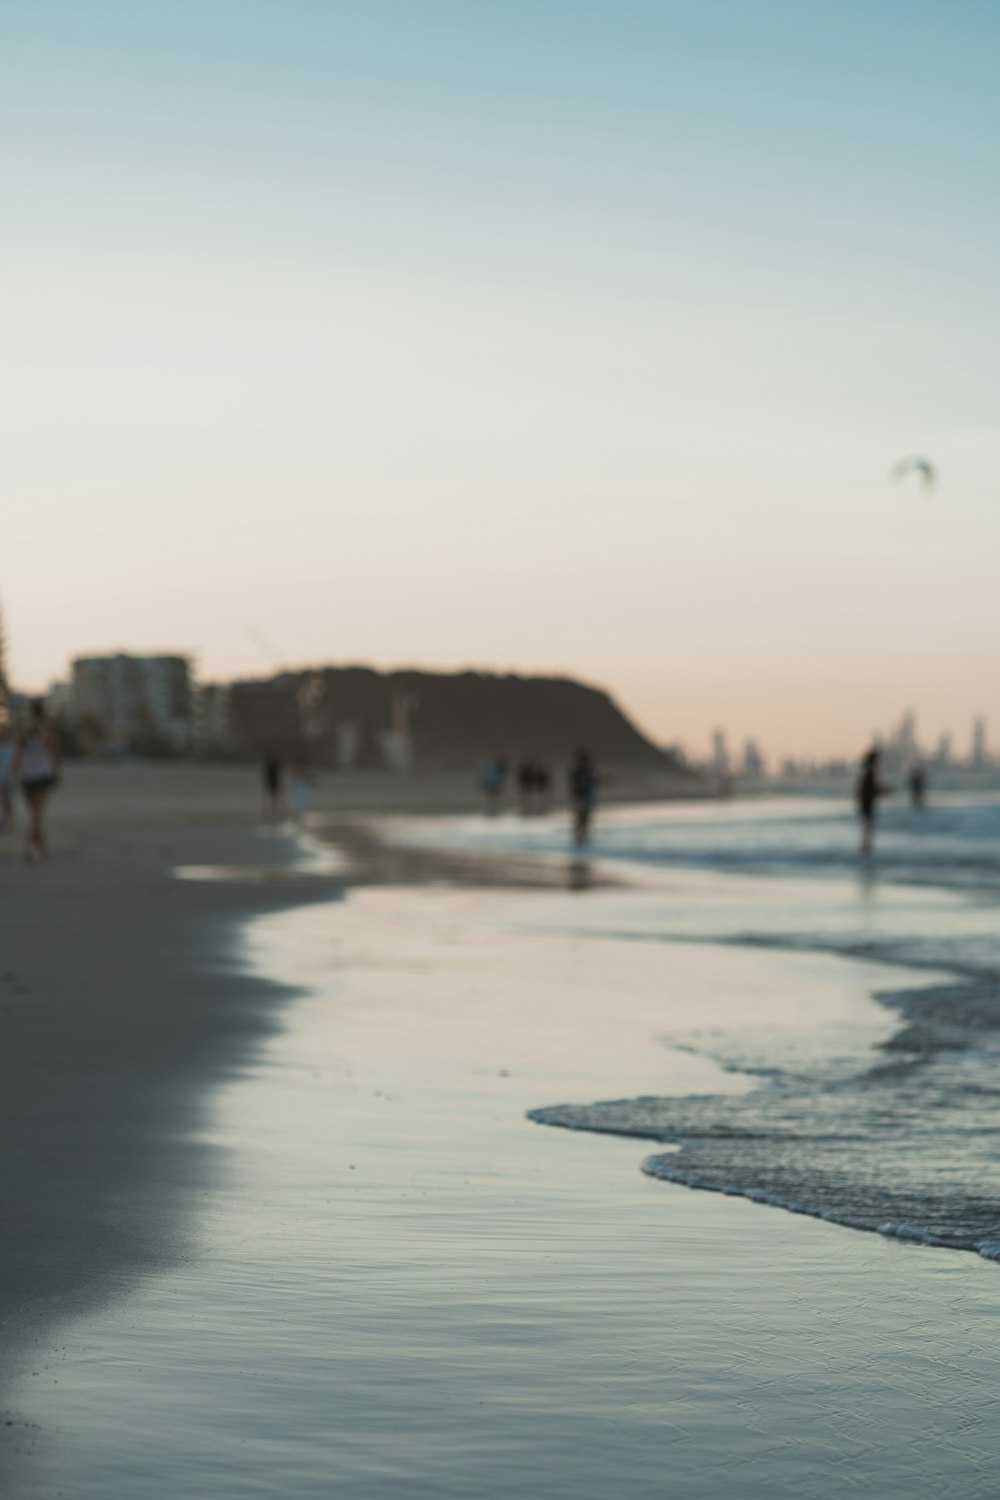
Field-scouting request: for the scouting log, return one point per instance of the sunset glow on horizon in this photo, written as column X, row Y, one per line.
column 565, row 338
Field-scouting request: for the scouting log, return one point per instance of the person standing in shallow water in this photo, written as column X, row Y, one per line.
column 493, row 780
column 37, row 767
column 869, row 789
column 583, row 794
column 273, row 773
column 918, row 786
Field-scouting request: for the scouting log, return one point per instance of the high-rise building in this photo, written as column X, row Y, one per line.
column 720, row 756
column 905, row 739
column 980, row 752
column 753, row 762
column 212, row 718
column 130, row 701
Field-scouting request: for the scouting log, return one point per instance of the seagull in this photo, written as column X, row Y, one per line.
column 921, row 466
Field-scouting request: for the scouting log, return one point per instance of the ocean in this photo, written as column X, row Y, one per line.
column 899, row 1136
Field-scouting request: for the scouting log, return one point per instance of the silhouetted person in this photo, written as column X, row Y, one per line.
column 583, row 794
column 869, row 790
column 36, row 764
column 526, row 785
column 533, row 786
column 493, row 780
column 918, row 786
column 274, row 786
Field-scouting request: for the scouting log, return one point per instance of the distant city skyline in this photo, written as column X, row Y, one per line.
column 903, row 745
column 568, row 338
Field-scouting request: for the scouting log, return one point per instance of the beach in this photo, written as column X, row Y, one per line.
column 277, row 1221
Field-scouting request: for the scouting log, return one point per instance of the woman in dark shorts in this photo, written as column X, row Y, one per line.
column 37, row 767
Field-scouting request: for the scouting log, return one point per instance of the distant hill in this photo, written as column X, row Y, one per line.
column 435, row 720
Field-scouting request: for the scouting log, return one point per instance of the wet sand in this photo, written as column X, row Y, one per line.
column 122, row 1003
column 124, row 1000
column 280, row 1225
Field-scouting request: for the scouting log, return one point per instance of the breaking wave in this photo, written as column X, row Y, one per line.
column 903, row 1140
column 909, row 1147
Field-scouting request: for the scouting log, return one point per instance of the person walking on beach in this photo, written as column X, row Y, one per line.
column 526, row 786
column 37, row 766
column 493, row 780
column 274, row 777
column 869, row 789
column 918, row 786
column 583, row 794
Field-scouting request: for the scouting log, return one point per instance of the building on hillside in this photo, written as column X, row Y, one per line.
column 396, row 743
column 141, row 703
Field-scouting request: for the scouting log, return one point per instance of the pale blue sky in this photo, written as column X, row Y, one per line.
column 551, row 336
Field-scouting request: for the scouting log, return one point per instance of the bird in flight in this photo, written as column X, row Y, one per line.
column 914, row 465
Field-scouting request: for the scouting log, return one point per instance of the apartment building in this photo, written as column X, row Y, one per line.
column 134, row 701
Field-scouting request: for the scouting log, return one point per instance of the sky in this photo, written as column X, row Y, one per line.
column 537, row 335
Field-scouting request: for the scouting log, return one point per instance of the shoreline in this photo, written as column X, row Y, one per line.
column 298, row 1233
column 398, row 1285
column 125, row 1003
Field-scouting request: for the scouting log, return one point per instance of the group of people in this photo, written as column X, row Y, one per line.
column 533, row 783
column 29, row 768
column 871, row 789
column 534, row 786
